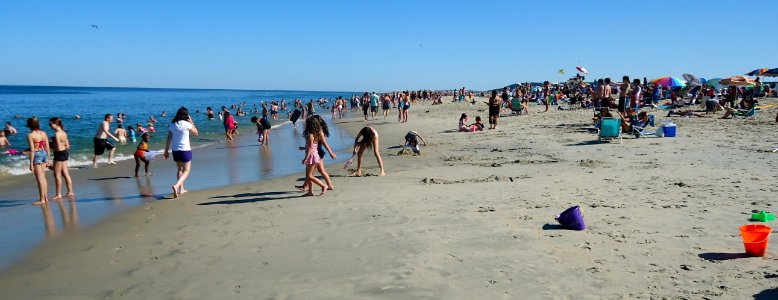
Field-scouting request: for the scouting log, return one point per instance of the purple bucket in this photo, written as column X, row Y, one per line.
column 572, row 218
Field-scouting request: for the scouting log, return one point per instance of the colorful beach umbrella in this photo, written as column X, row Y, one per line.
column 581, row 69
column 757, row 72
column 669, row 81
column 737, row 81
column 771, row 73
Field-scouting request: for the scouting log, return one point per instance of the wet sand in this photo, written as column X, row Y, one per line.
column 110, row 189
column 470, row 218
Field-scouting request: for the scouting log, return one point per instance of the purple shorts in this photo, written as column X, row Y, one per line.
column 182, row 156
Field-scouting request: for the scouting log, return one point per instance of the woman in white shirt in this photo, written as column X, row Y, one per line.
column 178, row 137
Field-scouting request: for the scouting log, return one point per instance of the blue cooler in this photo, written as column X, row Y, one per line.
column 669, row 130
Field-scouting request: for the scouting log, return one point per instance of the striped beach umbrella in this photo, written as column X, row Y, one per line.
column 669, row 81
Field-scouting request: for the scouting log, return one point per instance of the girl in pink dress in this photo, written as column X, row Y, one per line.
column 312, row 157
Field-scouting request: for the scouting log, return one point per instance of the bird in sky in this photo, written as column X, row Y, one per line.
column 95, row 26
column 420, row 45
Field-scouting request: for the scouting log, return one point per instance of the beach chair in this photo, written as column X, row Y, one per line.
column 609, row 128
column 745, row 114
column 643, row 130
column 516, row 107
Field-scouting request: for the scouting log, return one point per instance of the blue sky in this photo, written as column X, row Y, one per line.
column 374, row 45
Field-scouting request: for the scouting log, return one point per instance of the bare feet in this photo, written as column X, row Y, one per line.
column 40, row 202
column 357, row 174
column 183, row 192
column 308, row 194
column 175, row 192
column 94, row 166
column 111, row 162
column 57, row 197
column 382, row 173
column 324, row 190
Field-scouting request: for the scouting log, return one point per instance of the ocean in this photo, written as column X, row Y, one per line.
column 139, row 104
column 112, row 189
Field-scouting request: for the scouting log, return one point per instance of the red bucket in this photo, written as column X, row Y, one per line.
column 755, row 238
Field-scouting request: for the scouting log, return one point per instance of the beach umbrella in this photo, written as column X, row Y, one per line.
column 771, row 73
column 581, row 69
column 692, row 80
column 757, row 72
column 669, row 81
column 737, row 81
column 713, row 82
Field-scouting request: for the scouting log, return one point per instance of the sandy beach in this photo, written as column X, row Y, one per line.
column 470, row 218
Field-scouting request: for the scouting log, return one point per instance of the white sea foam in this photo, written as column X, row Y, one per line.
column 20, row 164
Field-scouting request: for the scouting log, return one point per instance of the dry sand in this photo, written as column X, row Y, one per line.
column 471, row 218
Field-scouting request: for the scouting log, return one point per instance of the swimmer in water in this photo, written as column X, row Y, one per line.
column 4, row 140
column 121, row 133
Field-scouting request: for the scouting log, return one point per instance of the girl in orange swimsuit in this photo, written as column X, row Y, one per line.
column 140, row 154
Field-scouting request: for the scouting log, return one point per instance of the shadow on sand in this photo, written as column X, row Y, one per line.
column 110, row 178
column 552, row 227
column 252, row 198
column 712, row 256
column 585, row 143
column 767, row 294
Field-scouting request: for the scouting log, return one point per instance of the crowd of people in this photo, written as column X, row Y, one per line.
column 623, row 100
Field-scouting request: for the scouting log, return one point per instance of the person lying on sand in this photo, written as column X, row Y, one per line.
column 685, row 113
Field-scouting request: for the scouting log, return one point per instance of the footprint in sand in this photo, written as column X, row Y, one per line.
column 482, row 209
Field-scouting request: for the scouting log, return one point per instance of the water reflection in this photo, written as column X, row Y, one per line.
column 232, row 161
column 68, row 216
column 145, row 189
column 265, row 161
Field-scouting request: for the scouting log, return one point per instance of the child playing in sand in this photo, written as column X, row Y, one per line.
column 369, row 140
column 477, row 126
column 412, row 140
column 463, row 123
column 140, row 154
